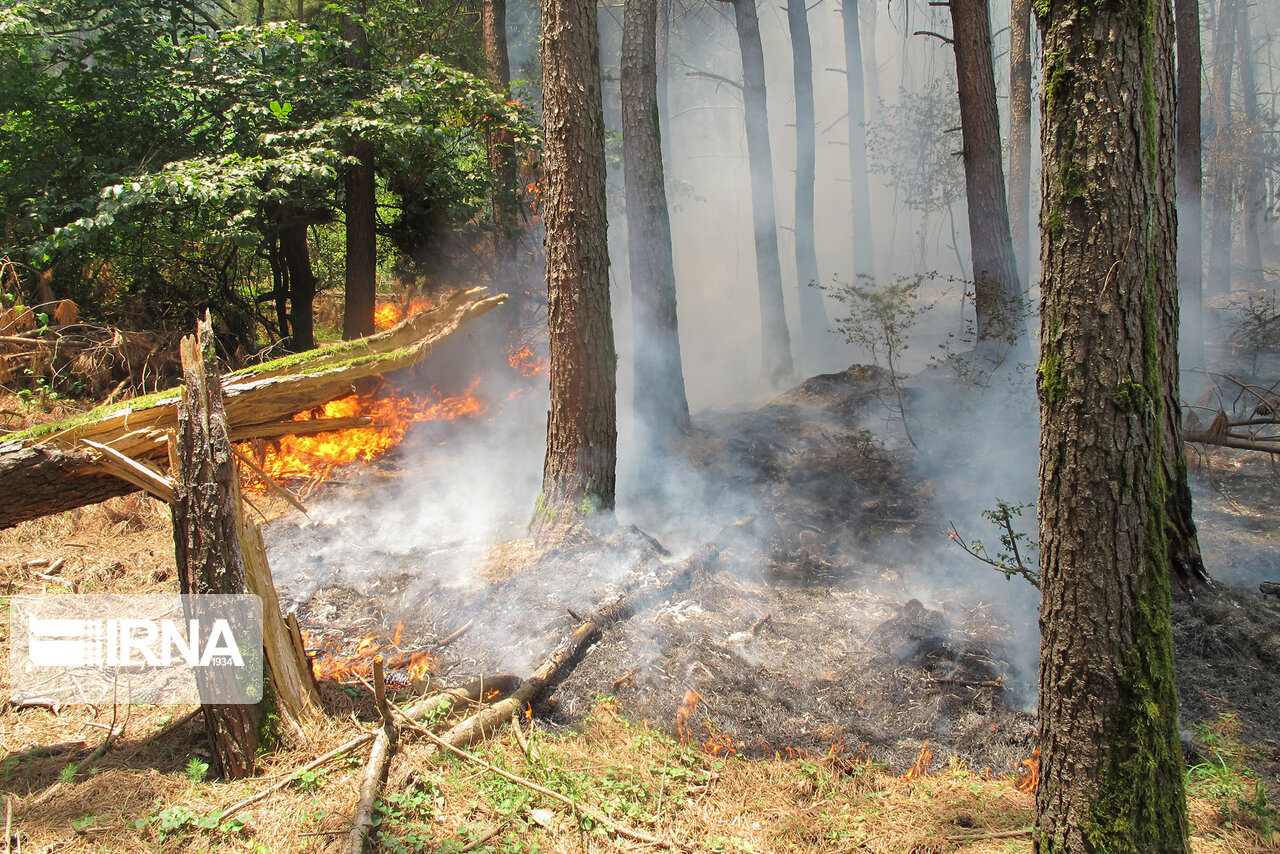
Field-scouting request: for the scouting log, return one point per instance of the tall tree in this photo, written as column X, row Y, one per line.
column 1190, row 204
column 1253, row 177
column 813, row 315
column 660, row 400
column 870, row 64
column 1020, row 137
column 1110, row 760
column 502, row 152
column 776, row 340
column 1217, row 133
column 360, row 191
column 997, row 294
column 579, row 473
column 864, row 256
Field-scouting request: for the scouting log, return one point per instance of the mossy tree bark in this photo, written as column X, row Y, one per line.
column 1020, row 138
column 997, row 293
column 1111, row 763
column 660, row 401
column 579, row 473
column 775, row 337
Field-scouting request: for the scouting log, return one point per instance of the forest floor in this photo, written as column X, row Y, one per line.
column 838, row 679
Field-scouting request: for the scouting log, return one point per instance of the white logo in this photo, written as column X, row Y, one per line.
column 95, row 643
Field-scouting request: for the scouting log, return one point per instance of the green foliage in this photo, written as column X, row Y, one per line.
column 181, row 821
column 1224, row 778
column 1013, row 542
column 401, row 817
column 197, row 770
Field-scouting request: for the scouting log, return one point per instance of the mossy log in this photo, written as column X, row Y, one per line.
column 49, row 469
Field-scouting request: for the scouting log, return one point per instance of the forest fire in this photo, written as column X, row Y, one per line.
column 312, row 458
column 522, row 358
column 683, row 728
column 337, row 660
column 921, row 766
column 389, row 314
column 1029, row 772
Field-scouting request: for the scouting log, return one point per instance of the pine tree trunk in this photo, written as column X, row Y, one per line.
column 582, row 439
column 1221, row 168
column 502, row 152
column 1020, row 139
column 660, row 400
column 997, row 294
column 864, row 256
column 870, row 64
column 813, row 315
column 206, row 538
column 1110, row 760
column 360, row 185
column 1190, row 202
column 775, row 338
column 1253, row 177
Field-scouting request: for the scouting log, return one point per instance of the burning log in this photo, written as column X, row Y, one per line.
column 49, row 469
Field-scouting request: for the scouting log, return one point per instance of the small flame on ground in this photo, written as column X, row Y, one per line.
column 522, row 358
column 1029, row 772
column 528, row 711
column 340, row 662
column 921, row 766
column 718, row 744
column 683, row 729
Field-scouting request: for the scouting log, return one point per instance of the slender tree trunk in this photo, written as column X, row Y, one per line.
column 205, row 535
column 662, row 61
column 302, row 283
column 870, row 64
column 864, row 256
column 579, row 474
column 813, row 315
column 1221, row 168
column 1110, row 760
column 997, row 295
column 360, row 185
column 1253, row 177
column 502, row 152
column 1020, row 138
column 1190, row 204
column 659, row 381
column 776, row 340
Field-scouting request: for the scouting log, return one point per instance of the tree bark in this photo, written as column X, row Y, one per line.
column 502, row 152
column 1111, row 770
column 1190, row 201
column 579, row 473
column 864, row 256
column 1253, row 177
column 997, row 294
column 660, row 401
column 206, row 541
column 302, row 284
column 1020, row 139
column 360, row 185
column 813, row 315
column 870, row 64
column 775, row 338
column 1217, row 138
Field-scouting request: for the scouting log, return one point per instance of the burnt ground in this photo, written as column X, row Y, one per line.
column 835, row 619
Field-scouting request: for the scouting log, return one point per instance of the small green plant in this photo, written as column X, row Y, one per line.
column 180, row 821
column 1258, row 330
column 1224, row 778
column 1013, row 542
column 880, row 320
column 197, row 770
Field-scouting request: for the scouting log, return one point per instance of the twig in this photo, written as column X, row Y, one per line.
column 270, row 481
column 340, row 750
column 564, row 799
column 384, row 742
column 999, row 834
column 476, row 843
column 441, row 644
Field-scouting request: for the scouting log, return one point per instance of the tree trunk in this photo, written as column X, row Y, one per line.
column 302, row 283
column 582, row 439
column 1190, row 204
column 776, row 340
column 502, row 152
column 1221, row 168
column 1110, row 760
column 1253, row 177
column 660, row 400
column 864, row 256
column 205, row 535
column 1020, row 138
column 813, row 315
column 870, row 64
column 997, row 295
column 361, row 211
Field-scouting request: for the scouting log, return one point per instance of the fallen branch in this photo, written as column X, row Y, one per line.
column 384, row 745
column 577, row 808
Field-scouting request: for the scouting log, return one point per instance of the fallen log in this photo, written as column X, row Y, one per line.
column 48, row 469
column 1269, row 588
column 384, row 744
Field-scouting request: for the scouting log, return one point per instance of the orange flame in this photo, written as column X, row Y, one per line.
column 921, row 767
column 335, row 659
column 314, row 457
column 389, row 314
column 528, row 711
column 1029, row 772
column 718, row 744
column 683, row 729
column 522, row 358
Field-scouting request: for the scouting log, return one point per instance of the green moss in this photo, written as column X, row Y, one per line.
column 98, row 412
column 1055, row 225
column 1058, row 80
column 1130, row 396
column 1053, row 385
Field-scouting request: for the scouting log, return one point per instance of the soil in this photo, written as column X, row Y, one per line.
column 833, row 621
